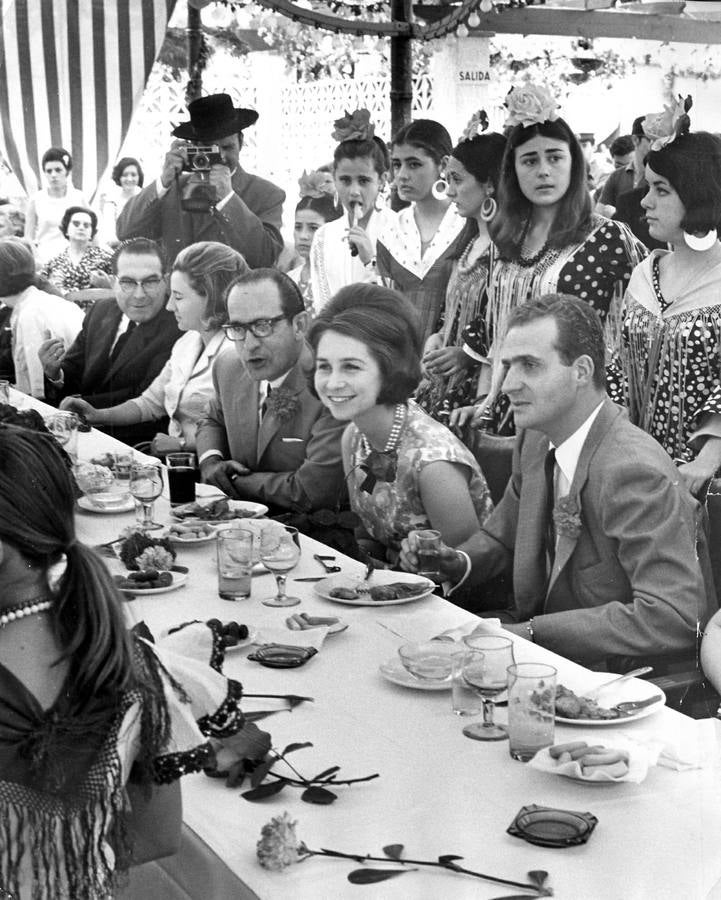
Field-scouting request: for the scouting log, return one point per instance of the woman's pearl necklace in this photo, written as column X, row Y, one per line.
column 30, row 607
column 399, row 417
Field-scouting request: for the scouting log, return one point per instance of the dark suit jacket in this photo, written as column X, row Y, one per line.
column 87, row 370
column 295, row 463
column 249, row 222
column 634, row 582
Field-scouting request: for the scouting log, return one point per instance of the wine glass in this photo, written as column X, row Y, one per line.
column 280, row 552
column 64, row 428
column 146, row 485
column 489, row 678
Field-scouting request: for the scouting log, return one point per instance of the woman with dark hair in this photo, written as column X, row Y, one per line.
column 404, row 470
column 316, row 206
column 547, row 237
column 198, row 281
column 36, row 315
column 472, row 174
column 344, row 250
column 82, row 264
column 128, row 178
column 46, row 207
column 672, row 318
column 415, row 249
column 90, row 719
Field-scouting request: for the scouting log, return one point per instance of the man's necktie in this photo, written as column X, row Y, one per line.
column 121, row 341
column 264, row 404
column 549, row 467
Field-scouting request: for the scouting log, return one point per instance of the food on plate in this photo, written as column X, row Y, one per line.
column 216, row 511
column 592, row 759
column 571, row 706
column 381, row 593
column 302, row 621
column 196, row 531
column 105, row 459
column 93, row 478
column 135, row 542
column 230, row 634
column 149, row 579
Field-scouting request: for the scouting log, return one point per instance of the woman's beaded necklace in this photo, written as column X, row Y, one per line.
column 399, row 417
column 33, row 606
column 381, row 465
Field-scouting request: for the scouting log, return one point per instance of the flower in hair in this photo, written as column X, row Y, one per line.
column 355, row 126
column 662, row 128
column 316, row 184
column 530, row 104
column 477, row 125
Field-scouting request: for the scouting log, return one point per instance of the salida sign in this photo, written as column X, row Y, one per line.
column 472, row 62
column 473, row 76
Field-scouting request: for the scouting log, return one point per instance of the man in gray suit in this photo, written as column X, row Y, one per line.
column 603, row 540
column 206, row 196
column 265, row 436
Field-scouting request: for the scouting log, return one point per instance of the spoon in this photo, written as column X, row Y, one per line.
column 643, row 670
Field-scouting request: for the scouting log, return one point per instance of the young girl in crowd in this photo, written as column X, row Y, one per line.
column 404, row 470
column 316, row 207
column 344, row 251
column 415, row 249
column 128, row 180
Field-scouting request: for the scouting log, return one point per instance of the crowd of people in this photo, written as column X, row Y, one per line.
column 435, row 292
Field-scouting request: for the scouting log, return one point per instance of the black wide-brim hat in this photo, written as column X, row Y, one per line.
column 214, row 117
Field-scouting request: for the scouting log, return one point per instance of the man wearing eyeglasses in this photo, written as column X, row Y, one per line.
column 265, row 437
column 123, row 344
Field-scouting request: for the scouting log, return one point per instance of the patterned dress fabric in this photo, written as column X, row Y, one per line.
column 70, row 276
column 670, row 357
column 394, row 508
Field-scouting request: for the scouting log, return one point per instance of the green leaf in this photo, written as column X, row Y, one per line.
column 256, row 716
column 326, row 773
column 447, row 858
column 319, row 795
column 393, row 851
column 371, row 876
column 513, row 897
column 269, row 789
column 291, row 748
column 261, row 771
column 538, row 877
column 294, row 700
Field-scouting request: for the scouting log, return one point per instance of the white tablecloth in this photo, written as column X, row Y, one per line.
column 438, row 792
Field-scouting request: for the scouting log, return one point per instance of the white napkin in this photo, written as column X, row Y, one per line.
column 697, row 750
column 313, row 637
column 640, row 757
column 474, row 626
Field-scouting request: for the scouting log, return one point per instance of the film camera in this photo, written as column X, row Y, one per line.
column 198, row 194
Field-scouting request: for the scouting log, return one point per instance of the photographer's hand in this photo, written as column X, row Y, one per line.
column 220, row 179
column 173, row 164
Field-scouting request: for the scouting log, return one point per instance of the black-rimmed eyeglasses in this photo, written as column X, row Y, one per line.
column 149, row 285
column 261, row 328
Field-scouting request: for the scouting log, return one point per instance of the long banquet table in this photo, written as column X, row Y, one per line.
column 438, row 792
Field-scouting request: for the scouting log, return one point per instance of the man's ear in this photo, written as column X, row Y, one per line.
column 301, row 323
column 584, row 369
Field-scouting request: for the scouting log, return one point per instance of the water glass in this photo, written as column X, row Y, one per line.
column 531, row 708
column 123, row 463
column 235, row 563
column 465, row 700
column 146, row 485
column 428, row 546
column 279, row 553
column 181, row 477
column 64, row 427
column 489, row 678
column 4, row 391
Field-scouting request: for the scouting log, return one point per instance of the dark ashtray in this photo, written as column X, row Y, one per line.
column 549, row 827
column 282, row 656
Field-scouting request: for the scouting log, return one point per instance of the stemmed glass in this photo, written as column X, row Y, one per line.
column 280, row 552
column 64, row 428
column 146, row 485
column 489, row 678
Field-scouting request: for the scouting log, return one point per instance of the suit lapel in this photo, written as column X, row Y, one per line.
column 293, row 384
column 97, row 369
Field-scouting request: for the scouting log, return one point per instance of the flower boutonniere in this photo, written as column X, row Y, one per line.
column 379, row 465
column 567, row 517
column 282, row 403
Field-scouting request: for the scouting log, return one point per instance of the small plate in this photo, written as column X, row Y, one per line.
column 379, row 577
column 633, row 689
column 393, row 671
column 88, row 505
column 241, row 509
column 180, row 576
column 175, row 538
column 548, row 827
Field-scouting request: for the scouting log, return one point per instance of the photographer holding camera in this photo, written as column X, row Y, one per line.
column 203, row 194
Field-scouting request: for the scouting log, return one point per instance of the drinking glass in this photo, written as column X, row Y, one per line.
column 235, row 563
column 489, row 677
column 280, row 552
column 181, row 477
column 64, row 428
column 146, row 485
column 428, row 543
column 531, row 708
column 465, row 700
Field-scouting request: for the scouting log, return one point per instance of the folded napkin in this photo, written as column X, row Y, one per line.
column 640, row 757
column 474, row 626
column 313, row 637
column 697, row 749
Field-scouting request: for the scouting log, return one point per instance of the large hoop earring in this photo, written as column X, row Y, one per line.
column 705, row 242
column 439, row 189
column 489, row 208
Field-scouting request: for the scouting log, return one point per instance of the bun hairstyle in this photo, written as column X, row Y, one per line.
column 57, row 154
column 317, row 193
column 387, row 323
column 481, row 156
column 357, row 140
column 428, row 135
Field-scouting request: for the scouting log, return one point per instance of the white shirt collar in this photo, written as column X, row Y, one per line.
column 569, row 451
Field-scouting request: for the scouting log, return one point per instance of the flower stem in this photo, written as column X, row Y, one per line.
column 329, row 781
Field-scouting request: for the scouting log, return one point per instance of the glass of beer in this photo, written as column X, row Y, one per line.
column 181, row 477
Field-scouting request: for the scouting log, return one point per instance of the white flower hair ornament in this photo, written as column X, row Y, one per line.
column 664, row 127
column 477, row 125
column 530, row 104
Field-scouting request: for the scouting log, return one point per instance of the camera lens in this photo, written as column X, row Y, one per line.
column 201, row 161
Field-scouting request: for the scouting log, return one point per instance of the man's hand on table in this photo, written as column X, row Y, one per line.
column 220, row 472
column 82, row 408
column 451, row 564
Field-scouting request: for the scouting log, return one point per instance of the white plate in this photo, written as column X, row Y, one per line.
column 380, row 576
column 242, row 509
column 89, row 506
column 393, row 671
column 180, row 576
column 180, row 539
column 633, row 689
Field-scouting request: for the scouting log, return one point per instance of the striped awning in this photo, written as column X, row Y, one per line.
column 71, row 73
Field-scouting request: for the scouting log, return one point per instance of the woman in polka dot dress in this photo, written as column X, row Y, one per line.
column 547, row 237
column 672, row 318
